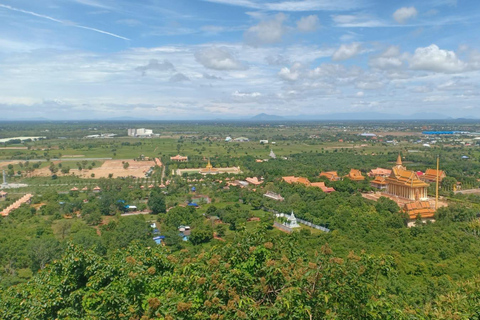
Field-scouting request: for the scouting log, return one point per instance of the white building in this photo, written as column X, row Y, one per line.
column 142, row 132
column 290, row 222
column 264, row 141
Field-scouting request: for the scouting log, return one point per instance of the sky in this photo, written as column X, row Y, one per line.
column 220, row 59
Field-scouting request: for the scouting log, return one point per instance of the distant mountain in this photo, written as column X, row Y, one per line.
column 365, row 116
column 266, row 117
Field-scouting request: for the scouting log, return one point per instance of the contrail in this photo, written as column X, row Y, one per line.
column 67, row 23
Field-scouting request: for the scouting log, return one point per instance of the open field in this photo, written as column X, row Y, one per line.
column 114, row 167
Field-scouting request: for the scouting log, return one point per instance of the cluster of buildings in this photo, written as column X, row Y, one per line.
column 408, row 188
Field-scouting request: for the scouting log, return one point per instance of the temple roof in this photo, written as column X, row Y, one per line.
column 422, row 208
column 402, row 176
column 379, row 172
column 355, row 174
column 379, row 180
column 431, row 175
column 331, row 175
column 322, row 186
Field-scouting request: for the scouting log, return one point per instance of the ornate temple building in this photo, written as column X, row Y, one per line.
column 405, row 183
column 431, row 175
column 419, row 208
column 330, row 175
column 355, row 175
column 209, row 169
column 379, row 183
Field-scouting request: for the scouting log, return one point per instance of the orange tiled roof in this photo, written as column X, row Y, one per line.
column 431, row 175
column 379, row 172
column 254, row 181
column 379, row 180
column 306, row 182
column 405, row 177
column 422, row 208
column 331, row 175
column 293, row 179
column 322, row 186
column 355, row 175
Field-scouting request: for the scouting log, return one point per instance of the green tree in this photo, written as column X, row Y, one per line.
column 156, row 201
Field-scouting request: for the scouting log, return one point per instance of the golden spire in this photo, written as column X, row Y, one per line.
column 209, row 165
column 399, row 160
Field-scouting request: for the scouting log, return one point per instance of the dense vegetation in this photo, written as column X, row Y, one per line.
column 78, row 255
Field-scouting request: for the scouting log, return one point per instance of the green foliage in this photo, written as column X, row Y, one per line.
column 178, row 216
column 199, row 236
column 156, row 201
column 251, row 279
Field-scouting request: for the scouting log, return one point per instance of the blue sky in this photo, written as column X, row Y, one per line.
column 201, row 59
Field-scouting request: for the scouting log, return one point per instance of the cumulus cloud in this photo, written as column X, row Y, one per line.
column 308, row 23
column 266, row 32
column 218, row 59
column 391, row 58
column 291, row 74
column 432, row 58
column 154, row 65
column 404, row 14
column 179, row 77
column 347, row 51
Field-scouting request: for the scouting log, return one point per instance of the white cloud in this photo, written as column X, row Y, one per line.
column 218, row 58
column 291, row 74
column 360, row 20
column 266, row 32
column 404, row 14
column 389, row 59
column 308, row 23
column 346, row 51
column 238, row 94
column 432, row 58
column 298, row 5
column 154, row 65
